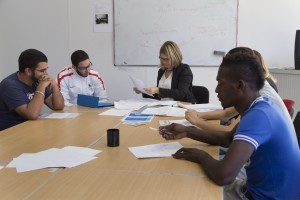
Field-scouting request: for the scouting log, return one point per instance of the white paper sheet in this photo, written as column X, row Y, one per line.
column 133, row 104
column 139, row 84
column 28, row 162
column 131, row 123
column 165, row 111
column 162, row 103
column 12, row 164
column 69, row 156
column 60, row 116
column 116, row 112
column 200, row 107
column 82, row 150
column 180, row 121
column 155, row 150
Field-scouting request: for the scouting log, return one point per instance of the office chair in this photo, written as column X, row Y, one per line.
column 201, row 94
column 297, row 126
column 290, row 106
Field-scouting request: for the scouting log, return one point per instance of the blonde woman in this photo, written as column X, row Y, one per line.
column 271, row 80
column 174, row 79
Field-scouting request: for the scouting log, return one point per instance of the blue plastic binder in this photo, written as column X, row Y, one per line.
column 92, row 102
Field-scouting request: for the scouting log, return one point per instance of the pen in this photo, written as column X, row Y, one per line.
column 154, row 129
column 163, row 132
column 167, row 132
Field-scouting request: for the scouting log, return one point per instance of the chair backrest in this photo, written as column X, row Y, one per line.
column 297, row 126
column 201, row 94
column 289, row 103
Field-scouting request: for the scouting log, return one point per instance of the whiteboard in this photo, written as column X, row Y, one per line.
column 199, row 27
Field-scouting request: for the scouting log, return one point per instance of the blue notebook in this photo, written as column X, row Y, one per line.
column 92, row 102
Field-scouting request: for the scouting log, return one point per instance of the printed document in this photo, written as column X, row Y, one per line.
column 156, row 150
column 140, row 85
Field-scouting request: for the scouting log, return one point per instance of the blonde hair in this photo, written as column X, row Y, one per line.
column 265, row 68
column 172, row 51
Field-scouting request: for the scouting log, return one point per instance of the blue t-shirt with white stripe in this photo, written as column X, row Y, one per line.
column 273, row 170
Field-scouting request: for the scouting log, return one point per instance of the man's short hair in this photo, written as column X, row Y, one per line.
column 78, row 56
column 30, row 58
column 244, row 65
column 240, row 50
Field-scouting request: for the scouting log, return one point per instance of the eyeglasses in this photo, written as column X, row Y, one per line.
column 42, row 70
column 85, row 68
column 164, row 59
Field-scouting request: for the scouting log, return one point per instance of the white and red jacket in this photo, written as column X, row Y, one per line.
column 71, row 84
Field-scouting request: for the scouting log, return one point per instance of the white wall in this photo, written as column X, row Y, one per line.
column 33, row 24
column 270, row 26
column 58, row 27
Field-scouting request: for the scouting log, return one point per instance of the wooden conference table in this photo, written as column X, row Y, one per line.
column 115, row 174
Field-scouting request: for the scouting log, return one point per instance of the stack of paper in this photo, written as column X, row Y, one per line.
column 156, row 150
column 136, row 104
column 69, row 156
column 133, row 104
column 205, row 107
column 165, row 111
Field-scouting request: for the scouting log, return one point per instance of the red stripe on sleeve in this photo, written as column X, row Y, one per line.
column 61, row 78
column 98, row 77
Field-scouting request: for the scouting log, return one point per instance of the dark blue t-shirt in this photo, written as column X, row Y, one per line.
column 14, row 93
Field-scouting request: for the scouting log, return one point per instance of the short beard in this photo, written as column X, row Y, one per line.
column 80, row 74
column 34, row 79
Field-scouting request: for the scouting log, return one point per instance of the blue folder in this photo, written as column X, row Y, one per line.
column 92, row 102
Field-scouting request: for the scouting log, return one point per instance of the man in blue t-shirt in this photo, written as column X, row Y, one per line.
column 264, row 141
column 23, row 93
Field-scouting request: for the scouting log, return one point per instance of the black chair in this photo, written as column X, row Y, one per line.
column 297, row 126
column 201, row 94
